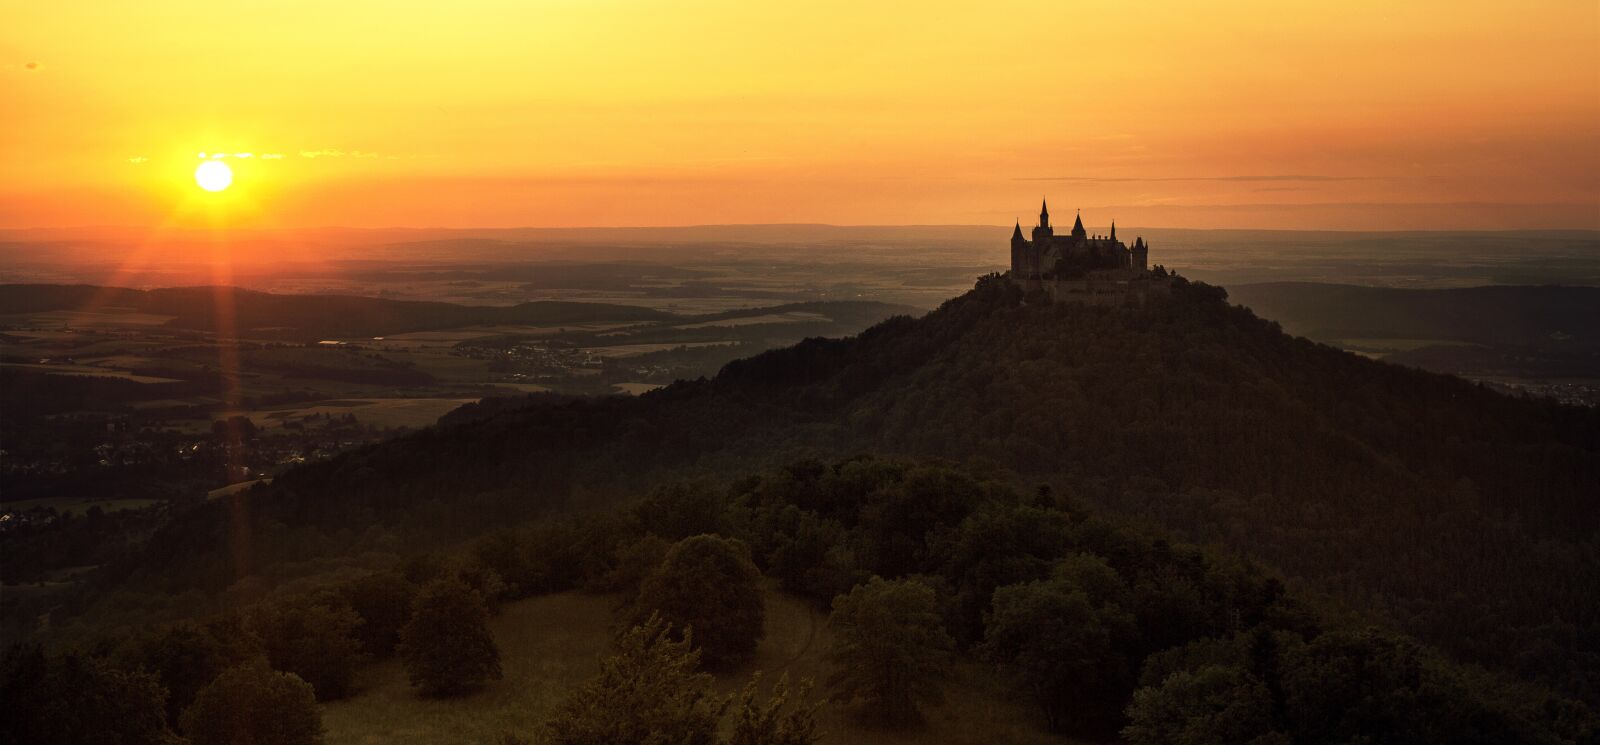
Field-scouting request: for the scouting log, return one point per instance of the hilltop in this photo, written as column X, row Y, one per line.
column 1407, row 496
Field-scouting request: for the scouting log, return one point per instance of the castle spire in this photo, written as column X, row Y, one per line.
column 1077, row 227
column 1044, row 214
column 1113, row 230
column 1016, row 233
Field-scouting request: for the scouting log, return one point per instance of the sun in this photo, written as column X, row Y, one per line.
column 213, row 175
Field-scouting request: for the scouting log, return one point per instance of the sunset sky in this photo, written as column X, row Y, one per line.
column 1359, row 114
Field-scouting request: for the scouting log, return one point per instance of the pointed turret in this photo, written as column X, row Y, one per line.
column 1016, row 233
column 1044, row 214
column 1113, row 230
column 1077, row 228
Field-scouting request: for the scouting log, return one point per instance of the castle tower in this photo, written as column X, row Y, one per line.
column 1043, row 233
column 1077, row 229
column 1141, row 255
column 1019, row 253
column 1113, row 230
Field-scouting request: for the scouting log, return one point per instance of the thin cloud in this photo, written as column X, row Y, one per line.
column 1134, row 179
column 341, row 154
column 362, row 154
column 138, row 160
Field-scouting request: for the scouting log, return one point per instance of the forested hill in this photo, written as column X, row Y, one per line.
column 1461, row 514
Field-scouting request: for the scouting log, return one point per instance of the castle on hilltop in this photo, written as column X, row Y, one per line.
column 1051, row 256
column 1082, row 267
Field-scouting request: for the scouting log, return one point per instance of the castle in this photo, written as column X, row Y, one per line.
column 1080, row 267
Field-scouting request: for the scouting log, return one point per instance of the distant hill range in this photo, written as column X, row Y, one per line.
column 1485, row 315
column 1545, row 332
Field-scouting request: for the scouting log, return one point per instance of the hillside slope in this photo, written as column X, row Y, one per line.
column 1464, row 515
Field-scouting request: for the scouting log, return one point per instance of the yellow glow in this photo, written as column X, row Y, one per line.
column 213, row 175
column 1233, row 113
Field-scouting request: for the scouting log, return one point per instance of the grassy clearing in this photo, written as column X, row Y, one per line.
column 547, row 645
column 634, row 389
column 236, row 488
column 550, row 644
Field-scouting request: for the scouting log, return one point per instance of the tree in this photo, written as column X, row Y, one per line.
column 383, row 601
column 447, row 647
column 632, row 563
column 184, row 658
column 1060, row 647
column 708, row 584
column 895, row 521
column 1214, row 706
column 682, row 509
column 313, row 637
column 253, row 704
column 651, row 692
column 891, row 649
column 997, row 545
column 1348, row 685
column 74, row 700
column 768, row 723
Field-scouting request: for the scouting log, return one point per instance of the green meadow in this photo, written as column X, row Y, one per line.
column 550, row 644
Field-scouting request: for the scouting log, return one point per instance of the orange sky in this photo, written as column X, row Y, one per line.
column 1349, row 115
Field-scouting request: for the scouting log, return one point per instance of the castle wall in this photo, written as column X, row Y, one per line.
column 1109, row 288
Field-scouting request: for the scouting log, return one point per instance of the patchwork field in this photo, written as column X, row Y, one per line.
column 550, row 644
